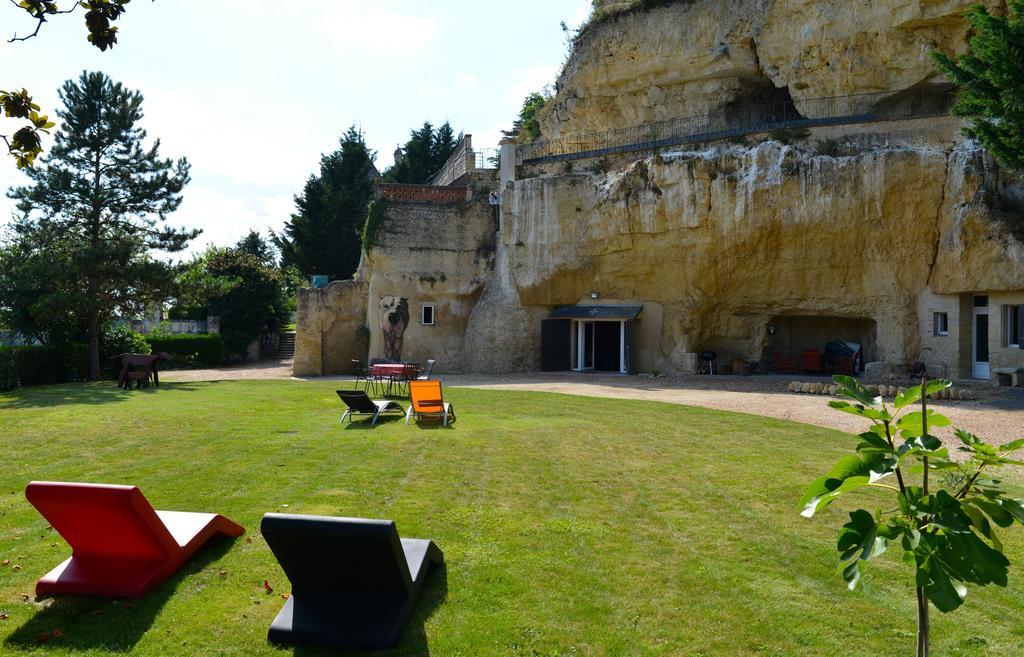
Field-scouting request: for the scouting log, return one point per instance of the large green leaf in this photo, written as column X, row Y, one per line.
column 849, row 473
column 907, row 397
column 1012, row 446
column 911, row 425
column 859, row 540
column 860, row 410
column 847, row 386
column 825, row 490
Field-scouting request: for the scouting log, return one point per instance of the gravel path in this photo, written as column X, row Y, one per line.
column 998, row 415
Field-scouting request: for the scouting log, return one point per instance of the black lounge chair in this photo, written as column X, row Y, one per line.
column 359, row 403
column 354, row 581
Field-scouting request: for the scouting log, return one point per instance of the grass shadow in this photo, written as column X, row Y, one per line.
column 99, row 392
column 414, row 639
column 364, row 425
column 100, row 623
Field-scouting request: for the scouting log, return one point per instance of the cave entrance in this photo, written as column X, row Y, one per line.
column 597, row 338
column 821, row 344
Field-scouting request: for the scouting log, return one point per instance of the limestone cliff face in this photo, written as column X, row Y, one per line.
column 691, row 58
column 723, row 240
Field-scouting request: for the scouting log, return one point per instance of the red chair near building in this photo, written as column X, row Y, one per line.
column 785, row 362
column 120, row 545
column 812, row 361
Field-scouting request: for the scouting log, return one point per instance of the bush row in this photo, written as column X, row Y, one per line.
column 39, row 365
column 190, row 350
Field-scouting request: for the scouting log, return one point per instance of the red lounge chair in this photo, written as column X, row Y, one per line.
column 812, row 361
column 785, row 363
column 120, row 546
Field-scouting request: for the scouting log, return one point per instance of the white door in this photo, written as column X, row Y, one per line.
column 979, row 339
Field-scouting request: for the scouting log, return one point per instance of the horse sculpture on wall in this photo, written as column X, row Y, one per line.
column 139, row 369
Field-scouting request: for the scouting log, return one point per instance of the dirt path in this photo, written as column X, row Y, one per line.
column 997, row 416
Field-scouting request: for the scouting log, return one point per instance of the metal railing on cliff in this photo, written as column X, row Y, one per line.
column 733, row 122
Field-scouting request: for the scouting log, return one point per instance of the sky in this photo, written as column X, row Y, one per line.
column 252, row 92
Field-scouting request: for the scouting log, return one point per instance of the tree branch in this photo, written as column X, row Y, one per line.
column 40, row 18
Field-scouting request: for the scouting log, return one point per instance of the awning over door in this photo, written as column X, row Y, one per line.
column 596, row 312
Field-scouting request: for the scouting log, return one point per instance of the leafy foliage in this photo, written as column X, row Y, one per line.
column 248, row 299
column 119, row 339
column 426, row 152
column 8, row 375
column 949, row 537
column 376, row 217
column 44, row 364
column 196, row 349
column 526, row 128
column 25, row 144
column 96, row 209
column 322, row 237
column 991, row 81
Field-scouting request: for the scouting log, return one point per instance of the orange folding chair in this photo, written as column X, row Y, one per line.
column 428, row 403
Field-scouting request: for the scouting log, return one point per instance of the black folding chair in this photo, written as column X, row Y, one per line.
column 359, row 403
column 362, row 376
column 354, row 581
column 424, row 374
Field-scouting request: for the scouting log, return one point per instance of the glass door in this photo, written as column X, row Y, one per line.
column 979, row 339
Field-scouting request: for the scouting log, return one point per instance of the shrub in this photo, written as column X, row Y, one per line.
column 117, row 340
column 8, row 375
column 376, row 217
column 42, row 365
column 201, row 349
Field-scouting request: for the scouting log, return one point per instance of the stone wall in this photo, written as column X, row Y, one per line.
column 330, row 328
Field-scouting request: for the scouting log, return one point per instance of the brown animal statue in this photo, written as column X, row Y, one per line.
column 143, row 365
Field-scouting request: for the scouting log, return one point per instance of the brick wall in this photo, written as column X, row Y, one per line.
column 421, row 193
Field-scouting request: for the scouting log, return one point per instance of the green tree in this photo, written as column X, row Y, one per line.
column 248, row 299
column 25, row 144
column 254, row 244
column 947, row 532
column 426, row 152
column 97, row 208
column 991, row 81
column 526, row 128
column 322, row 237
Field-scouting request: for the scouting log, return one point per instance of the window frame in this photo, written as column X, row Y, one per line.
column 433, row 314
column 1013, row 316
column 940, row 324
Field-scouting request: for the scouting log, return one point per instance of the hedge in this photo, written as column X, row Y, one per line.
column 193, row 349
column 8, row 375
column 41, row 364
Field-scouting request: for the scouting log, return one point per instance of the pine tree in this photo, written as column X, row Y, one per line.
column 424, row 154
column 97, row 209
column 991, row 81
column 322, row 237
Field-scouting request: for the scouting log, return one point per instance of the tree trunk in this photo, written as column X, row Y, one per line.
column 94, row 345
column 922, row 623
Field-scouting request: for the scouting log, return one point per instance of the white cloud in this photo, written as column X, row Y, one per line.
column 225, row 216
column 375, row 32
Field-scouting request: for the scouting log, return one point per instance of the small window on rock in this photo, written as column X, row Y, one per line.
column 940, row 324
column 427, row 314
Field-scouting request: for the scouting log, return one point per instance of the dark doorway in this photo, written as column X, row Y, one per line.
column 607, row 346
column 555, row 344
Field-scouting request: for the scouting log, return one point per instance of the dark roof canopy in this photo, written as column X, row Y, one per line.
column 596, row 312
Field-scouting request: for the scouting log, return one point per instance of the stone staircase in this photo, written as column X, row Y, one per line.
column 286, row 347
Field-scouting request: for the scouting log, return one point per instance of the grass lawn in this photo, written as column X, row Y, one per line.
column 570, row 525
